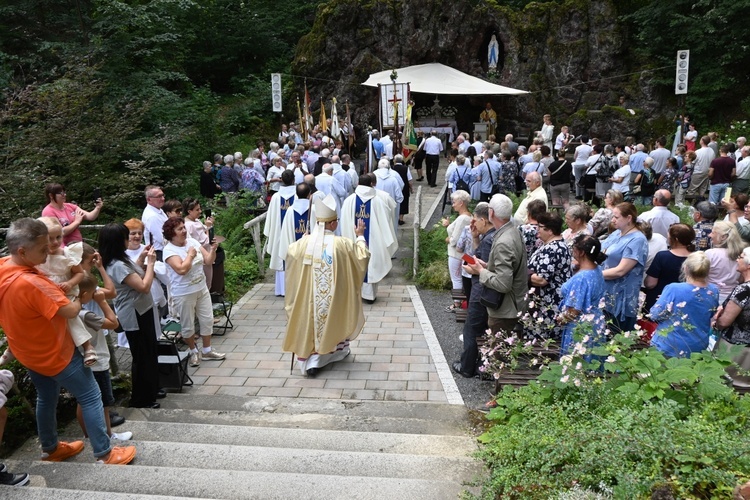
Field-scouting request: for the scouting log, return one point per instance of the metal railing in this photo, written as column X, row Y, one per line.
column 253, row 226
column 416, row 227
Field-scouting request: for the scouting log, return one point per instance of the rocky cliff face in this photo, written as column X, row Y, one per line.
column 564, row 53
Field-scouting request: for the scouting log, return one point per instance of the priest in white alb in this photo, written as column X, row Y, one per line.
column 324, row 274
column 389, row 181
column 377, row 215
column 277, row 210
column 296, row 221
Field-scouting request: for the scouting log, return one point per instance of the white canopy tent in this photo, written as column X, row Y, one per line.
column 436, row 78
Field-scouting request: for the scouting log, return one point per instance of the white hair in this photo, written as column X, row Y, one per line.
column 229, row 159
column 384, row 163
column 238, row 155
column 325, row 153
column 502, row 206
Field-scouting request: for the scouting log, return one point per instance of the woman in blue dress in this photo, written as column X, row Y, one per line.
column 626, row 249
column 684, row 310
column 582, row 294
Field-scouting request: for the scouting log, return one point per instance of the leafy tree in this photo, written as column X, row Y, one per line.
column 714, row 32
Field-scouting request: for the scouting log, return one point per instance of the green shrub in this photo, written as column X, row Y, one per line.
column 607, row 442
column 624, row 422
column 240, row 274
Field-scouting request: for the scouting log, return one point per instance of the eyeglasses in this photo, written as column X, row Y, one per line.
column 157, row 196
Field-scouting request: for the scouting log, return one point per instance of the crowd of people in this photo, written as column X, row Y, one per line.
column 574, row 252
column 59, row 321
column 611, row 267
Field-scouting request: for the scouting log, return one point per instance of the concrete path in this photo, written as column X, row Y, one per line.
column 396, row 358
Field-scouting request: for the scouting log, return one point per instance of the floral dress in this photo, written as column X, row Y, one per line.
column 551, row 262
column 668, row 179
column 510, row 171
column 583, row 292
column 530, row 237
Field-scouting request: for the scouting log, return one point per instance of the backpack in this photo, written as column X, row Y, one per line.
column 648, row 183
column 607, row 167
column 461, row 184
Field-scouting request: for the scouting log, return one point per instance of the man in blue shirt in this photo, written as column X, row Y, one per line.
column 377, row 146
column 636, row 163
column 488, row 174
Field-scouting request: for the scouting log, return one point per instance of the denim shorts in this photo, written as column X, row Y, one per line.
column 105, row 386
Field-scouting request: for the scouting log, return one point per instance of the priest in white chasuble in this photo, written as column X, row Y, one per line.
column 366, row 204
column 297, row 220
column 324, row 275
column 277, row 210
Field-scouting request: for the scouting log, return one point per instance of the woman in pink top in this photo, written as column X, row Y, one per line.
column 69, row 215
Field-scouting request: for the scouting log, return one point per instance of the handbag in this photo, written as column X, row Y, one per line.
column 588, row 183
column 491, row 298
column 495, row 188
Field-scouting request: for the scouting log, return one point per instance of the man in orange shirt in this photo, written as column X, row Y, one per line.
column 33, row 314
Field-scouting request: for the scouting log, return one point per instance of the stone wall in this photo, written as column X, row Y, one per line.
column 565, row 53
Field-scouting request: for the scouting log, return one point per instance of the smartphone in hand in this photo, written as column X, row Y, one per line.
column 468, row 259
column 97, row 194
column 150, row 240
column 211, row 234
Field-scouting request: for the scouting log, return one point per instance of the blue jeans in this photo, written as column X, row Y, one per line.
column 474, row 328
column 79, row 381
column 716, row 192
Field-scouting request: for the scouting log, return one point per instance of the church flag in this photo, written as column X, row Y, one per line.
column 299, row 119
column 349, row 128
column 335, row 130
column 410, row 138
column 323, row 120
column 308, row 125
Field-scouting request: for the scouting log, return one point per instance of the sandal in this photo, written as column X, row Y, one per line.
column 89, row 357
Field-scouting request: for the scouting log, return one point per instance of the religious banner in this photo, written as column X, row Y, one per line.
column 410, row 137
column 335, row 129
column 393, row 100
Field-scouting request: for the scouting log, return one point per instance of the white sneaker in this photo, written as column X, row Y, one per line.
column 461, row 337
column 122, row 436
column 213, row 355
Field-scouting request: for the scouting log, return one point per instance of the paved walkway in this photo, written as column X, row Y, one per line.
column 396, row 357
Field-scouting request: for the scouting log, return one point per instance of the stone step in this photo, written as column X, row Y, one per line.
column 270, row 437
column 36, row 490
column 378, row 416
column 188, row 481
column 294, row 458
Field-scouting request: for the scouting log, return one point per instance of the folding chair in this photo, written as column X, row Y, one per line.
column 224, row 309
column 173, row 365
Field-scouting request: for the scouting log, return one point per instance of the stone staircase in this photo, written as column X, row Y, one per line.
column 241, row 448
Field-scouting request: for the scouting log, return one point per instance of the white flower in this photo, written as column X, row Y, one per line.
column 564, row 380
column 534, row 362
column 585, row 339
column 564, row 369
column 577, row 382
column 566, row 360
column 531, row 304
column 579, row 365
column 610, row 359
column 682, row 304
column 676, row 323
column 510, row 340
